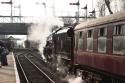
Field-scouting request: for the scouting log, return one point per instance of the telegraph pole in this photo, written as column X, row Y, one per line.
column 78, row 10
column 19, row 8
column 11, row 13
column 20, row 12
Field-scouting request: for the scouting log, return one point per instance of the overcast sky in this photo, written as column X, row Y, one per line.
column 36, row 8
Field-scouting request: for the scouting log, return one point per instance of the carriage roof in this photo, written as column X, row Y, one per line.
column 102, row 20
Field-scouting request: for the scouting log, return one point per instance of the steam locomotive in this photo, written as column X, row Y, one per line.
column 94, row 49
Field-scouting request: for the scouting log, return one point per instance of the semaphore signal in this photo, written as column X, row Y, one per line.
column 74, row 3
column 77, row 4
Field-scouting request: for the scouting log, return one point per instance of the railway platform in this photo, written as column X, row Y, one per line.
column 9, row 74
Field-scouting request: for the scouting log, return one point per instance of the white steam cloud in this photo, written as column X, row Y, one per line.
column 41, row 29
column 76, row 80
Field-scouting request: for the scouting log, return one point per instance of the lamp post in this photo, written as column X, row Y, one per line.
column 11, row 13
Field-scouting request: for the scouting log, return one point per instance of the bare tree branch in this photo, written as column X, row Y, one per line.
column 67, row 21
column 107, row 2
column 101, row 7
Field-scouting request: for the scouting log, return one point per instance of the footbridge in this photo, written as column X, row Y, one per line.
column 17, row 26
column 14, row 28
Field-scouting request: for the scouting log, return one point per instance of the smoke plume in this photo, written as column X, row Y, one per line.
column 41, row 29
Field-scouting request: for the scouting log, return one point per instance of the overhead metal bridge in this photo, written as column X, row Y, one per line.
column 14, row 28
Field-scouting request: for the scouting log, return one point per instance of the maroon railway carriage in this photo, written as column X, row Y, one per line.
column 99, row 49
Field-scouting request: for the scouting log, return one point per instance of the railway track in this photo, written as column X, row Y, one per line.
column 31, row 72
column 38, row 61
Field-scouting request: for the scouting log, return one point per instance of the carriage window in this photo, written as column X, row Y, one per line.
column 90, row 40
column 123, row 29
column 118, row 30
column 58, row 38
column 119, row 39
column 80, row 34
column 102, row 32
column 80, row 41
column 90, row 33
column 102, row 40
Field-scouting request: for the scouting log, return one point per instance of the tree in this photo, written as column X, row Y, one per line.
column 101, row 7
column 67, row 21
column 107, row 2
